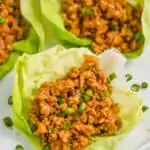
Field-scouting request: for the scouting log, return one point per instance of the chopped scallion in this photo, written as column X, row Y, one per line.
column 60, row 100
column 10, row 100
column 144, row 108
column 87, row 11
column 8, row 122
column 89, row 92
column 69, row 111
column 2, row 19
column 46, row 148
column 19, row 147
column 144, row 85
column 128, row 77
column 81, row 108
column 67, row 124
column 135, row 87
column 86, row 98
column 112, row 76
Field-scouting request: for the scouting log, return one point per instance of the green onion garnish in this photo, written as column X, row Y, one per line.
column 112, row 76
column 115, row 27
column 60, row 100
column 139, row 36
column 53, row 130
column 82, row 91
column 2, row 19
column 46, row 148
column 8, row 122
column 81, row 108
column 128, row 77
column 67, row 124
column 86, row 98
column 87, row 11
column 33, row 127
column 144, row 85
column 89, row 92
column 19, row 147
column 105, row 94
column 135, row 87
column 10, row 100
column 69, row 111
column 144, row 108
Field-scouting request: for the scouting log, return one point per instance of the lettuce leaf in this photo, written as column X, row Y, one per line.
column 51, row 11
column 30, row 10
column 32, row 70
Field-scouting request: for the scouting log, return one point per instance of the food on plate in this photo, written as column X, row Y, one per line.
column 101, row 25
column 19, row 32
column 67, row 112
column 73, row 99
column 13, row 27
column 108, row 23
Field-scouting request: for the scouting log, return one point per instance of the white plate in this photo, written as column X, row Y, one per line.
column 138, row 139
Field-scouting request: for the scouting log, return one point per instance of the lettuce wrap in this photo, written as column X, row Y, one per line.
column 32, row 70
column 51, row 11
column 35, row 40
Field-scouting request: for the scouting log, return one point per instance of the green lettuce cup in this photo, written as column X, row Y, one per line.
column 32, row 70
column 34, row 42
column 51, row 10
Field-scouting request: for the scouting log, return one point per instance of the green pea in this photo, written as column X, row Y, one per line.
column 105, row 94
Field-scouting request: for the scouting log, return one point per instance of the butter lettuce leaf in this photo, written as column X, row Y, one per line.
column 51, row 11
column 32, row 70
column 34, row 42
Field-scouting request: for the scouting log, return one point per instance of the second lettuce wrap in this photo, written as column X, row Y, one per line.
column 51, row 10
column 32, row 70
column 30, row 10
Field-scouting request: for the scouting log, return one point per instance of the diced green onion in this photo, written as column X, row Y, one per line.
column 115, row 27
column 144, row 85
column 139, row 36
column 10, row 100
column 112, row 76
column 86, row 98
column 128, row 77
column 89, row 92
column 82, row 91
column 87, row 11
column 67, row 124
column 144, row 108
column 46, row 148
column 19, row 147
column 8, row 122
column 105, row 94
column 81, row 108
column 60, row 100
column 69, row 111
column 135, row 87
column 33, row 127
column 2, row 19
column 53, row 130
